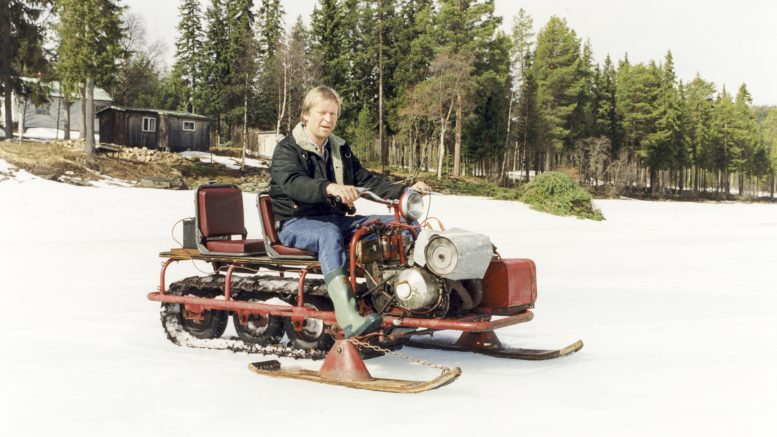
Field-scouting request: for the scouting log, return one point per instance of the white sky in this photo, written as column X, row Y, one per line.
column 728, row 42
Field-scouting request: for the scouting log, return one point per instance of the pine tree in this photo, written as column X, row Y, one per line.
column 467, row 26
column 559, row 84
column 700, row 103
column 188, row 52
column 90, row 32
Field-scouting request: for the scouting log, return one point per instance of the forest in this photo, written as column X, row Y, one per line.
column 428, row 86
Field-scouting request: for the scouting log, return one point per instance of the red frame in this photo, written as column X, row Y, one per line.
column 467, row 323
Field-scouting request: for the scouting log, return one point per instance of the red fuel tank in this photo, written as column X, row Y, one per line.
column 509, row 286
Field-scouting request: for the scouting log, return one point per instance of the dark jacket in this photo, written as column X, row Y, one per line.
column 298, row 177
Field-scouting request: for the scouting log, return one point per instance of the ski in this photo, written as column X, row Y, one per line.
column 500, row 351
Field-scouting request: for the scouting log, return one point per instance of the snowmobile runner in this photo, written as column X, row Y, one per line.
column 418, row 282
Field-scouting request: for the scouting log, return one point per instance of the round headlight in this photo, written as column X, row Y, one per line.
column 411, row 205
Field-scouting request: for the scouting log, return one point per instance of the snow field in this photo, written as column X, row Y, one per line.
column 674, row 301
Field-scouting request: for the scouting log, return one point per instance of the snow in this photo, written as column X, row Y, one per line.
column 44, row 133
column 229, row 162
column 675, row 303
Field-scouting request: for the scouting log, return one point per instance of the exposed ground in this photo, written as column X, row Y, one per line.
column 66, row 161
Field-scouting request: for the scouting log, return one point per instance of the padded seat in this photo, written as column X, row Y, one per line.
column 219, row 217
column 273, row 244
column 236, row 246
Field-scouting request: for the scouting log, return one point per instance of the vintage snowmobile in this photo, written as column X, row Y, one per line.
column 419, row 282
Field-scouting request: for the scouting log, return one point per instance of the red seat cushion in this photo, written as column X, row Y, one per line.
column 236, row 246
column 220, row 211
column 291, row 251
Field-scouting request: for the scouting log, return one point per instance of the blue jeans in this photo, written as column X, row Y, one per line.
column 326, row 235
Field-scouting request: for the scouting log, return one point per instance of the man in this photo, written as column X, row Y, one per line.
column 308, row 169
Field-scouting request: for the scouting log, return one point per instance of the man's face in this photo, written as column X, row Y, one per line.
column 321, row 120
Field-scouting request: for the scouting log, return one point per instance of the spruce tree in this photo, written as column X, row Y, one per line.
column 189, row 51
column 725, row 149
column 90, row 32
column 605, row 102
column 659, row 145
column 21, row 51
column 215, row 65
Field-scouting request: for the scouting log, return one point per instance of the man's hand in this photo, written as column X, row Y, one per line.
column 421, row 187
column 347, row 193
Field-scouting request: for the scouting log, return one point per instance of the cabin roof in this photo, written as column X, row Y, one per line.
column 156, row 111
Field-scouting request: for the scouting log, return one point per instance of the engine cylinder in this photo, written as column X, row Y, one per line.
column 416, row 289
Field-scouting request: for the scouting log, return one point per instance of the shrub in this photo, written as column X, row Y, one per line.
column 557, row 193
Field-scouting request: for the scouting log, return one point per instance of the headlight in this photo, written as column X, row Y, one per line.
column 411, row 205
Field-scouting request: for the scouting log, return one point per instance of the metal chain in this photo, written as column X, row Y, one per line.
column 385, row 351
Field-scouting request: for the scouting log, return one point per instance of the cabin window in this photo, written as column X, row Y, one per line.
column 188, row 126
column 149, row 124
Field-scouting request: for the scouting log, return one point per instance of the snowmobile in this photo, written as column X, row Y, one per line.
column 420, row 278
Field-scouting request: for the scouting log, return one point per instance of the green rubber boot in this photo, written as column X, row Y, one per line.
column 351, row 322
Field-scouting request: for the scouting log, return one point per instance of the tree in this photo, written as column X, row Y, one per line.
column 666, row 135
column 299, row 71
column 188, row 67
column 436, row 97
column 468, row 26
column 215, row 65
column 769, row 129
column 90, row 33
column 724, row 150
column 242, row 51
column 273, row 64
column 606, row 121
column 137, row 76
column 21, row 51
column 559, row 83
column 700, row 102
column 328, row 42
column 520, row 58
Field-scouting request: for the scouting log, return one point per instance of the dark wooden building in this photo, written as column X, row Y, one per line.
column 154, row 129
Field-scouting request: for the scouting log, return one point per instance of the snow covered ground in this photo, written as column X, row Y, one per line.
column 675, row 302
column 229, row 162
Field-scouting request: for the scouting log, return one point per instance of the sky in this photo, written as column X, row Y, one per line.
column 727, row 42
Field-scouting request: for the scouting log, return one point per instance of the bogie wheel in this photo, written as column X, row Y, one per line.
column 260, row 329
column 212, row 325
column 314, row 334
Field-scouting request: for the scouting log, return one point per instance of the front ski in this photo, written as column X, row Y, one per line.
column 487, row 343
column 344, row 367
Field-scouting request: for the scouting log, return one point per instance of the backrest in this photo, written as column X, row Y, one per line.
column 220, row 211
column 268, row 220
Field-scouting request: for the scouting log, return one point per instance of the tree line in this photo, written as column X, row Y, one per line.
column 429, row 86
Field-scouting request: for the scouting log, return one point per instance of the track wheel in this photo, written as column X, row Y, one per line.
column 314, row 333
column 261, row 329
column 212, row 325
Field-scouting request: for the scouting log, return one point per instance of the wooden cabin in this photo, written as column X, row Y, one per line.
column 154, row 129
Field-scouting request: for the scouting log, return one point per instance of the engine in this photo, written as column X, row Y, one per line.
column 443, row 273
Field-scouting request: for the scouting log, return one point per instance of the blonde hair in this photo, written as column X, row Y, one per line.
column 317, row 95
